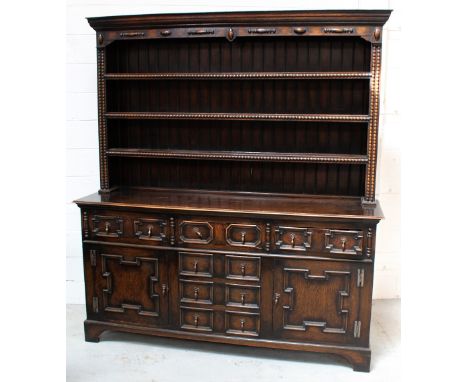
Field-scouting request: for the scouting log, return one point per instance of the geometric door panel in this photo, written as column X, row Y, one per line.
column 133, row 286
column 315, row 300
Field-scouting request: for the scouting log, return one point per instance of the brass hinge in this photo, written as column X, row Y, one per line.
column 357, row 329
column 92, row 257
column 95, row 305
column 360, row 278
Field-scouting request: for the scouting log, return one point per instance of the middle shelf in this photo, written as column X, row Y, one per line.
column 239, row 155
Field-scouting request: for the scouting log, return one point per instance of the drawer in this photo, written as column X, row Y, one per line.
column 196, row 264
column 195, row 232
column 200, row 292
column 196, row 319
column 150, row 229
column 107, row 226
column 243, row 235
column 244, row 324
column 293, row 238
column 243, row 295
column 343, row 242
column 242, row 267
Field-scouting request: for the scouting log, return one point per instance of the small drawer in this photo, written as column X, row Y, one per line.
column 150, row 229
column 196, row 232
column 243, row 235
column 293, row 238
column 107, row 226
column 200, row 292
column 196, row 319
column 343, row 242
column 196, row 264
column 242, row 267
column 243, row 296
column 240, row 323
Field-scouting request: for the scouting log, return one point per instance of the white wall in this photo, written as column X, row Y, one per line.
column 82, row 140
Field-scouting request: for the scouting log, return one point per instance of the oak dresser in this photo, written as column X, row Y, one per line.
column 237, row 179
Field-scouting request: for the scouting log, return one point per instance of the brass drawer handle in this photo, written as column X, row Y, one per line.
column 338, row 30
column 195, row 320
column 242, row 298
column 195, row 293
column 197, row 232
column 195, row 266
column 107, row 227
column 243, row 237
column 293, row 240
column 165, row 289
column 150, row 229
column 243, row 269
column 343, row 244
column 276, row 298
column 242, row 324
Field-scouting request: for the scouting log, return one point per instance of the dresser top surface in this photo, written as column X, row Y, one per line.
column 196, row 201
column 354, row 16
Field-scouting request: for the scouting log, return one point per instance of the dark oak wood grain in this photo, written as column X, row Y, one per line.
column 238, row 168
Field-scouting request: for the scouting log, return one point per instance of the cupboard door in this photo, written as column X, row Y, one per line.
column 316, row 301
column 131, row 285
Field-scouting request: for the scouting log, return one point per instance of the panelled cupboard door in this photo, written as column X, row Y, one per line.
column 127, row 285
column 316, row 301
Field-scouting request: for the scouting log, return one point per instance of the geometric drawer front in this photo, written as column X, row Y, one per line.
column 107, row 226
column 245, row 235
column 293, row 238
column 343, row 242
column 200, row 292
column 244, row 296
column 196, row 319
column 196, row 264
column 242, row 267
column 196, row 232
column 149, row 229
column 242, row 323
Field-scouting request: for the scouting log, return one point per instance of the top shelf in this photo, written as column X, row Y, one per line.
column 238, row 76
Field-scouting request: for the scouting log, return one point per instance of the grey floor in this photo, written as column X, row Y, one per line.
column 128, row 357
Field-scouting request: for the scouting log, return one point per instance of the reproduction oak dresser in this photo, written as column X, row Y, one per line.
column 237, row 179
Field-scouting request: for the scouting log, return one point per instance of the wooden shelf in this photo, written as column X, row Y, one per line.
column 239, row 76
column 241, row 116
column 240, row 156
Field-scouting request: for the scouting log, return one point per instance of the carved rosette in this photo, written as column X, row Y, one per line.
column 103, row 165
column 376, row 54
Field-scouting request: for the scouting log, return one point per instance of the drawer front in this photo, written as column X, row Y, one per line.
column 343, row 242
column 200, row 292
column 150, row 229
column 242, row 267
column 196, row 264
column 243, row 296
column 243, row 235
column 107, row 226
column 243, row 324
column 196, row 232
column 196, row 319
column 293, row 238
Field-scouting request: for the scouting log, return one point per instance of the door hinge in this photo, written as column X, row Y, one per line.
column 357, row 329
column 92, row 257
column 360, row 278
column 95, row 305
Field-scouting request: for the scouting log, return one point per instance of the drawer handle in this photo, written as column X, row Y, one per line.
column 293, row 240
column 343, row 244
column 195, row 266
column 276, row 298
column 195, row 293
column 300, row 30
column 165, row 289
column 195, row 320
column 243, row 237
column 242, row 323
column 197, row 232
column 338, row 30
column 243, row 269
column 150, row 228
column 107, row 227
column 242, row 298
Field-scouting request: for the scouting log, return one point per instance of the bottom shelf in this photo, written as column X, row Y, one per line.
column 221, row 175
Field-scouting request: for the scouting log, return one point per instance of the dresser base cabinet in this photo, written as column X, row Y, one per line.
column 237, row 162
